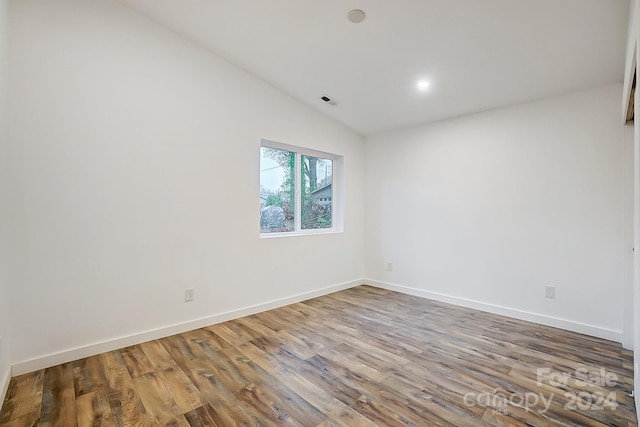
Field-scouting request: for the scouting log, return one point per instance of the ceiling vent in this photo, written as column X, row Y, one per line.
column 328, row 100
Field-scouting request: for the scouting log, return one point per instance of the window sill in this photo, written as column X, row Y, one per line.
column 300, row 233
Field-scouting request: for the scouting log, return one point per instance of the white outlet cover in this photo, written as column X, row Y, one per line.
column 550, row 291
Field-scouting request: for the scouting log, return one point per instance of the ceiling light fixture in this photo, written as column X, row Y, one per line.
column 423, row 85
column 356, row 16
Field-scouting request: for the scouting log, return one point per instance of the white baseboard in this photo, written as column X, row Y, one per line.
column 4, row 385
column 138, row 338
column 569, row 325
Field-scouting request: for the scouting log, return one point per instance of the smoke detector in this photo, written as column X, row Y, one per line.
column 328, row 100
column 356, row 16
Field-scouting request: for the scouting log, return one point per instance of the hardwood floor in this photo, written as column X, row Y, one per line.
column 360, row 357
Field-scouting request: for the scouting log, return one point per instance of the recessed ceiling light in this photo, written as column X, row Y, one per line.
column 423, row 85
column 356, row 16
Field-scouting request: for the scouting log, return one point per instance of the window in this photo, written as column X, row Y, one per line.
column 298, row 189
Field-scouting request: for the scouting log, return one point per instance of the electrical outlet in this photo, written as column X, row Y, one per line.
column 389, row 266
column 188, row 294
column 550, row 291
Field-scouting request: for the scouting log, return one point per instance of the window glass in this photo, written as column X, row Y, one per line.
column 316, row 183
column 277, row 190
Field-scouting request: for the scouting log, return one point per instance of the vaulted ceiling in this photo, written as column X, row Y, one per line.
column 476, row 54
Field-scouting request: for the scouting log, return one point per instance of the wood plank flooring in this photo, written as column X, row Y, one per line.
column 360, row 357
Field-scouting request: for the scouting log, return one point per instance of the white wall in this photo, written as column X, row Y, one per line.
column 135, row 168
column 5, row 367
column 492, row 207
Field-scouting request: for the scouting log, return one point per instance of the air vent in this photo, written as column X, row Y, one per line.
column 328, row 100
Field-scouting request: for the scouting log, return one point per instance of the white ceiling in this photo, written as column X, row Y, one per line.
column 477, row 54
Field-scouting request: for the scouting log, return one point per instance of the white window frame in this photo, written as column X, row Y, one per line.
column 337, row 224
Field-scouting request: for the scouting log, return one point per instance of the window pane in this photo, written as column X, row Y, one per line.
column 317, row 192
column 277, row 190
